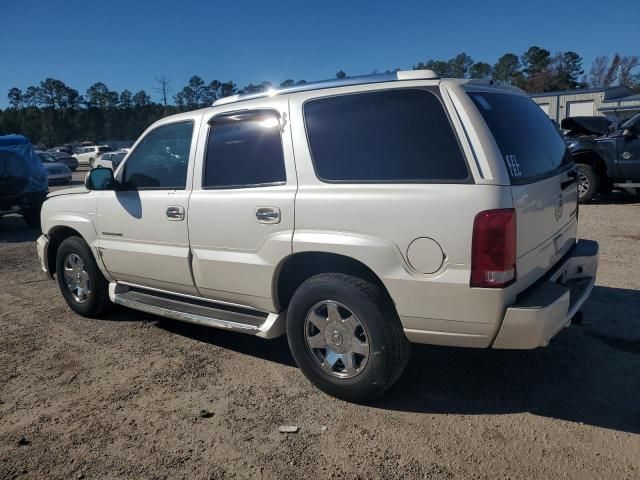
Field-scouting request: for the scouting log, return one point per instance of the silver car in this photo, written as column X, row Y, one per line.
column 57, row 173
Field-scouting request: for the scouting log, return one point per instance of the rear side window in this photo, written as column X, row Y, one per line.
column 244, row 150
column 390, row 136
column 531, row 146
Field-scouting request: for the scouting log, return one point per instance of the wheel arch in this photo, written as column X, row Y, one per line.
column 593, row 159
column 56, row 236
column 300, row 266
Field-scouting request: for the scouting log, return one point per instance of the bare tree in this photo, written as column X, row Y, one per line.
column 164, row 89
column 625, row 70
column 612, row 71
column 598, row 71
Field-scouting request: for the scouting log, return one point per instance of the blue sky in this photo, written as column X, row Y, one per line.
column 125, row 44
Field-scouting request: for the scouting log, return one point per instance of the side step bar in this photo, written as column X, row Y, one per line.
column 199, row 312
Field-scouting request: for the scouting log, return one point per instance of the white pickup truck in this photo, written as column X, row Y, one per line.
column 354, row 216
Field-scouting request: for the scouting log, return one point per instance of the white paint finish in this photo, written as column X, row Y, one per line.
column 581, row 109
column 235, row 256
column 137, row 240
column 425, row 255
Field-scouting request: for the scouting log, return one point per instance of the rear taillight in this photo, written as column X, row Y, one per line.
column 493, row 249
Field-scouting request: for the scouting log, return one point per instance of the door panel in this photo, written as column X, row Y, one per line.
column 239, row 234
column 628, row 150
column 140, row 244
column 142, row 226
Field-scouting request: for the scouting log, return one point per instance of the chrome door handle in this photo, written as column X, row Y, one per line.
column 175, row 213
column 268, row 214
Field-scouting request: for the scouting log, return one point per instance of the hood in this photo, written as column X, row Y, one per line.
column 54, row 166
column 586, row 125
column 68, row 191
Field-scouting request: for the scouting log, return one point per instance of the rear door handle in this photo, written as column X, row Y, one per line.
column 175, row 213
column 267, row 214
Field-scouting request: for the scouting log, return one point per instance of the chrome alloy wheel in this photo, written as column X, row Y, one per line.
column 583, row 184
column 336, row 338
column 76, row 278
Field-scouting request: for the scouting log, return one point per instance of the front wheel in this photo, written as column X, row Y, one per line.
column 346, row 337
column 81, row 282
column 588, row 182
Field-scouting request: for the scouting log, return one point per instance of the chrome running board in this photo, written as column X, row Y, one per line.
column 199, row 312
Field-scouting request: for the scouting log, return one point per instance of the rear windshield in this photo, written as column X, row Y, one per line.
column 530, row 144
column 105, row 149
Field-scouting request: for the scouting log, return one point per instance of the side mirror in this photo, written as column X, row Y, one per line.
column 99, row 179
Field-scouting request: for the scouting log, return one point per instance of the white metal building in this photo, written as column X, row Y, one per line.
column 615, row 102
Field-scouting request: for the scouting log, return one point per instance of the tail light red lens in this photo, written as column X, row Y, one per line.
column 493, row 250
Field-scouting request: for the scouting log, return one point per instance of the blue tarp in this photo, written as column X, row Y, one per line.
column 18, row 160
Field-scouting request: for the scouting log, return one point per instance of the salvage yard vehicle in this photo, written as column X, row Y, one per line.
column 355, row 216
column 57, row 172
column 23, row 179
column 109, row 160
column 88, row 154
column 606, row 157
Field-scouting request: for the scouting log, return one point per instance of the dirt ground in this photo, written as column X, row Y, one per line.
column 121, row 397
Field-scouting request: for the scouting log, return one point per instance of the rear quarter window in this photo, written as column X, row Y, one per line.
column 529, row 142
column 399, row 136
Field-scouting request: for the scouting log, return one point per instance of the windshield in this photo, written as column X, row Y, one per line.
column 105, row 149
column 631, row 122
column 530, row 144
column 116, row 157
column 46, row 158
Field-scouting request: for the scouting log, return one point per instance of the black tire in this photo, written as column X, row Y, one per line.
column 389, row 347
column 588, row 182
column 98, row 301
column 31, row 216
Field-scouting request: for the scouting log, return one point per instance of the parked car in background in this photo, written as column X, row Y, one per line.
column 354, row 216
column 88, row 155
column 68, row 160
column 23, row 179
column 57, row 173
column 63, row 148
column 607, row 155
column 109, row 160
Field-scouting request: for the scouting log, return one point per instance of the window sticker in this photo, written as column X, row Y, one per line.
column 514, row 166
column 482, row 101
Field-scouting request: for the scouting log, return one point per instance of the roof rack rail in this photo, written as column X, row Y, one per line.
column 338, row 82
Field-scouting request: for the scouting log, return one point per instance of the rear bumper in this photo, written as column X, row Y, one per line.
column 548, row 306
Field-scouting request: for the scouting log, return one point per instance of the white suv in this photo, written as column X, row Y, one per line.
column 88, row 155
column 354, row 216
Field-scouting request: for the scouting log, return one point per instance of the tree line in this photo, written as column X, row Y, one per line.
column 53, row 113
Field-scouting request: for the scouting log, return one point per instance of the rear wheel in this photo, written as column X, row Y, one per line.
column 346, row 336
column 81, row 282
column 588, row 182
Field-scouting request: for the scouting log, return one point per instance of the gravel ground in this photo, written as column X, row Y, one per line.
column 121, row 397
